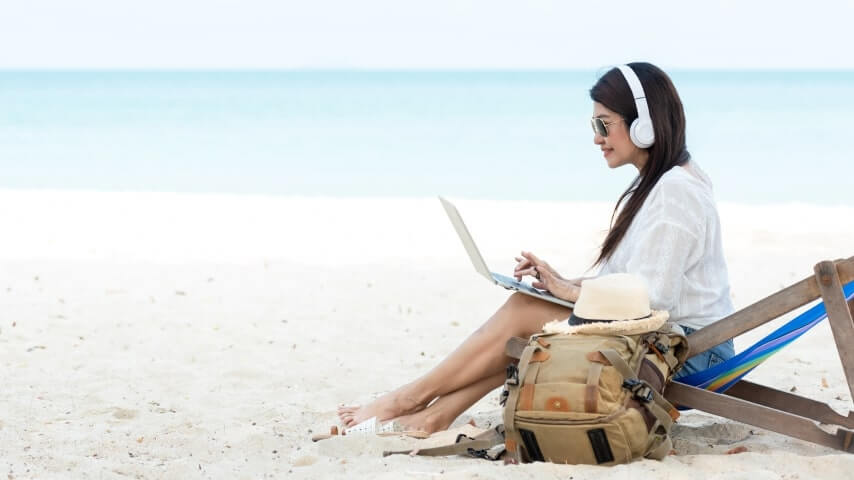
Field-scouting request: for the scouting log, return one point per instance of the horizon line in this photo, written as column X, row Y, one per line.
column 405, row 70
column 6, row 189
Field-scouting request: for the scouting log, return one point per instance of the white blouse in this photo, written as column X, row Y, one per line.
column 674, row 243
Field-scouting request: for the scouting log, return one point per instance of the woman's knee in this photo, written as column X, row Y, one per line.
column 521, row 301
column 531, row 313
column 529, row 305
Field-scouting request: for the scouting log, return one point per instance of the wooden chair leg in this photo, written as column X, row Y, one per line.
column 789, row 402
column 758, row 416
column 839, row 316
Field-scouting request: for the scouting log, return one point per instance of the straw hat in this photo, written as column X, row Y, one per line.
column 611, row 304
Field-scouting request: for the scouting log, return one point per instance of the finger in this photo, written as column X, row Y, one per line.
column 532, row 271
column 522, row 270
column 522, row 265
column 538, row 260
column 533, row 258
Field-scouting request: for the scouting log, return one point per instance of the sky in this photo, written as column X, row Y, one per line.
column 435, row 34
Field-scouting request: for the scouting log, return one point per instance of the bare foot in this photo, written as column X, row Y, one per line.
column 389, row 406
column 430, row 420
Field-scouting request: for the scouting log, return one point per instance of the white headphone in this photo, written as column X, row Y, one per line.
column 640, row 131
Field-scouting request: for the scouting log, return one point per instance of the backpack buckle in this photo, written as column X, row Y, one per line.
column 512, row 375
column 640, row 389
column 644, row 394
column 657, row 344
column 505, row 394
column 478, row 454
column 630, row 383
column 491, row 454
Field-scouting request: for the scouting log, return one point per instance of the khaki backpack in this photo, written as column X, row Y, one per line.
column 592, row 399
column 583, row 399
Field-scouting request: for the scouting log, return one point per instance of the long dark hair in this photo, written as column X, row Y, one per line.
column 668, row 120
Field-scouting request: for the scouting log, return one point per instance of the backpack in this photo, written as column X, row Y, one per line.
column 592, row 399
column 583, row 399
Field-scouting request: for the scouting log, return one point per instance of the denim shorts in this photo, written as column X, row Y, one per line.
column 707, row 359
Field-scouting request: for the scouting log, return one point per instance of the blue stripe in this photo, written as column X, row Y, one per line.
column 803, row 322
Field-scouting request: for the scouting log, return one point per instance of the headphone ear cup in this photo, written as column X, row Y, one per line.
column 641, row 133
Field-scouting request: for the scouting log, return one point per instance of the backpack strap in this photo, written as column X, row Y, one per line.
column 515, row 346
column 654, row 402
column 591, row 389
column 660, row 447
column 484, row 446
column 514, row 387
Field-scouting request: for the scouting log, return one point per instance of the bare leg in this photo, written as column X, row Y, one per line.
column 480, row 356
column 442, row 413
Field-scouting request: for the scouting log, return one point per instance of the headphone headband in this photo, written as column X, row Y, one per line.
column 640, row 131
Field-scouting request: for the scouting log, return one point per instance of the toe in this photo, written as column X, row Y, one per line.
column 350, row 421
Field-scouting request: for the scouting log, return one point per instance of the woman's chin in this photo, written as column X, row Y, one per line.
column 614, row 161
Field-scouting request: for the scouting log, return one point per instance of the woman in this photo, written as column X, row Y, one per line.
column 667, row 231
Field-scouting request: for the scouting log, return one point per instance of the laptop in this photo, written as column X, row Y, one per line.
column 509, row 283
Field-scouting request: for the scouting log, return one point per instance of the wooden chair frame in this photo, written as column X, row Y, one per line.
column 765, row 407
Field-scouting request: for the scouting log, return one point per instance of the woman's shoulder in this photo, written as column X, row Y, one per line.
column 680, row 183
column 681, row 198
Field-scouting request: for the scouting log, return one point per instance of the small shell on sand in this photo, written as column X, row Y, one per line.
column 305, row 461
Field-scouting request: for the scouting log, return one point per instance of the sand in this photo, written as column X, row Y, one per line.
column 153, row 335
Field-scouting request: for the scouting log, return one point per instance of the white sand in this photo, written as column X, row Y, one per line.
column 201, row 336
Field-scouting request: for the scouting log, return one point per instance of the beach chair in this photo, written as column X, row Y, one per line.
column 721, row 390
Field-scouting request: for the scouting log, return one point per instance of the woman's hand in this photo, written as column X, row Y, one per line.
column 546, row 277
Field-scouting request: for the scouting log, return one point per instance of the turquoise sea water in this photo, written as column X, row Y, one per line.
column 764, row 137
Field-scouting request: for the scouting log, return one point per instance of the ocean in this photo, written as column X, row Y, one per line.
column 762, row 136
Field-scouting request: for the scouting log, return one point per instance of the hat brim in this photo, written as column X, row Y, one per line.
column 656, row 320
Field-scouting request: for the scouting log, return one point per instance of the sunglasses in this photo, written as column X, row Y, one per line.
column 600, row 127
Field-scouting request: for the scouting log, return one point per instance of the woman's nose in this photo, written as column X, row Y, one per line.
column 598, row 139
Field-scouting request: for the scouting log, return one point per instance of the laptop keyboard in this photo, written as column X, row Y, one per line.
column 521, row 286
